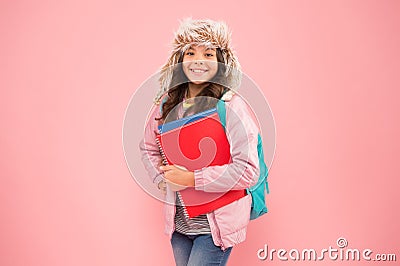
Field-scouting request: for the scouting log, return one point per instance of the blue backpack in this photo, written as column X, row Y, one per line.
column 258, row 205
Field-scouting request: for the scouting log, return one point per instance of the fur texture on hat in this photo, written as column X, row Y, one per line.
column 212, row 34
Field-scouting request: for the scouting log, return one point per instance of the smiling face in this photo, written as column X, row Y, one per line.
column 200, row 64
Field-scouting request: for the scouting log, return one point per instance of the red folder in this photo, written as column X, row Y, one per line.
column 199, row 143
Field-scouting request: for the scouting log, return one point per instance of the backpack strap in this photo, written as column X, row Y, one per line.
column 221, row 108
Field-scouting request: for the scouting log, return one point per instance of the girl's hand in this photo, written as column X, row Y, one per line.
column 178, row 177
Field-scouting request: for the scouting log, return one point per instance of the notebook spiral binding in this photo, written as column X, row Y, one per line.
column 163, row 156
column 185, row 212
column 165, row 162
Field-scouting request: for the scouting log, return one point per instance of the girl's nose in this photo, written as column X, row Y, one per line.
column 199, row 57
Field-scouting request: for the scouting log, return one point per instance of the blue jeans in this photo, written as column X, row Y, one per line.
column 197, row 250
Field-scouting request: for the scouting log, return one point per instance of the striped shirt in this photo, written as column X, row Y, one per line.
column 189, row 226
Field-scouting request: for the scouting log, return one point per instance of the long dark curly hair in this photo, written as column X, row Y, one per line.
column 214, row 90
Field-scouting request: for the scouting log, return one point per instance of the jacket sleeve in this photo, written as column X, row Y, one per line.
column 150, row 153
column 243, row 171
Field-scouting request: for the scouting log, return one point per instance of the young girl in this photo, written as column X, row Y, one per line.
column 203, row 56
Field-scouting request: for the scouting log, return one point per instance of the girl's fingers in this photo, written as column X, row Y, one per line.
column 165, row 167
column 170, row 167
column 181, row 167
column 175, row 187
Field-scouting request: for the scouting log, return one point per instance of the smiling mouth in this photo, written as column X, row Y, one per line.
column 198, row 70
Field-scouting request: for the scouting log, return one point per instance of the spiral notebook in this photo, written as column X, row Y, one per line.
column 195, row 142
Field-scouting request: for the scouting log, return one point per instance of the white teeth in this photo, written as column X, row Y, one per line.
column 198, row 70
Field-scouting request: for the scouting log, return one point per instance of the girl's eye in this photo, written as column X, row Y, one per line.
column 189, row 53
column 209, row 55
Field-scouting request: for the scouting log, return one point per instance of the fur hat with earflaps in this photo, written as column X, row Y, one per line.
column 212, row 34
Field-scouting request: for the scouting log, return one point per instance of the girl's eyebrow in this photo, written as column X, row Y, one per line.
column 210, row 48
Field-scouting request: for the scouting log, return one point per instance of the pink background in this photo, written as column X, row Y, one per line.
column 329, row 69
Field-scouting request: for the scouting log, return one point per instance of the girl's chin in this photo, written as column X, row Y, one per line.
column 198, row 81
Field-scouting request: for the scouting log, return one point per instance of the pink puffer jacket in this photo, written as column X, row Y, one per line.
column 228, row 224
